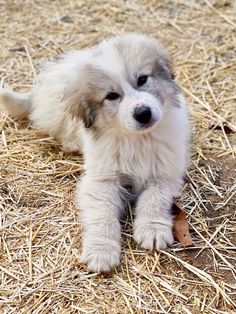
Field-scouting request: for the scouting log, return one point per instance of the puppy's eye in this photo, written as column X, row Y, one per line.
column 112, row 96
column 142, row 79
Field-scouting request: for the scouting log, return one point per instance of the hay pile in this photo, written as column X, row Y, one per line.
column 39, row 228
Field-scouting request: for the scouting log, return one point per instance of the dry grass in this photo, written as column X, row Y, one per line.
column 40, row 232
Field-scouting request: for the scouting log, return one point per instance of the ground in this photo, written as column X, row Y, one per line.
column 40, row 231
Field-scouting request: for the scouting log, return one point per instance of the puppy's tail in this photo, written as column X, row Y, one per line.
column 18, row 105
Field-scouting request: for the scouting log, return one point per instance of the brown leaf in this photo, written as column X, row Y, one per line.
column 180, row 228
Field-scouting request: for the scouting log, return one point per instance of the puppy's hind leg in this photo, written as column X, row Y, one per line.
column 71, row 135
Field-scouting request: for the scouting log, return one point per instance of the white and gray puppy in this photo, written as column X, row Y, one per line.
column 118, row 104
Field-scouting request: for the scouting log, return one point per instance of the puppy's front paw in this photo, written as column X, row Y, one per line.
column 101, row 257
column 153, row 235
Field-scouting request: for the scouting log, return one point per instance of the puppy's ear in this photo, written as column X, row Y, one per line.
column 171, row 70
column 164, row 62
column 87, row 114
column 165, row 68
column 79, row 106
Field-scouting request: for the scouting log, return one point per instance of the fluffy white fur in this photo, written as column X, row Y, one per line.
column 70, row 103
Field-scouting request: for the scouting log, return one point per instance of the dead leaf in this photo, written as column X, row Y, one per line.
column 181, row 228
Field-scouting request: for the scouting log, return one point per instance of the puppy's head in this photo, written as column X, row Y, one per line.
column 124, row 84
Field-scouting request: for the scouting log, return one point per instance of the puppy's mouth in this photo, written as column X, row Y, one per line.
column 146, row 126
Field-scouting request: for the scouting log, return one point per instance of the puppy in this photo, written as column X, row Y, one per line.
column 119, row 105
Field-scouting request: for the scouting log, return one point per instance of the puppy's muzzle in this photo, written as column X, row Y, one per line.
column 143, row 115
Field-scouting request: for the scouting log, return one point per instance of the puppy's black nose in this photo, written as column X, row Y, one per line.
column 142, row 114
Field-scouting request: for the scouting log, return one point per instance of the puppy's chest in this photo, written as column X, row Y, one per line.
column 140, row 160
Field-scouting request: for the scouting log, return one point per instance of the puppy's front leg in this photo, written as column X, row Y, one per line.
column 153, row 222
column 100, row 206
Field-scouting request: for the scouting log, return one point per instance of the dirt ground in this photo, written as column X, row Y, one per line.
column 40, row 233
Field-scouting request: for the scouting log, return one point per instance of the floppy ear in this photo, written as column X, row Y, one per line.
column 87, row 114
column 165, row 68
column 170, row 69
column 164, row 62
column 79, row 106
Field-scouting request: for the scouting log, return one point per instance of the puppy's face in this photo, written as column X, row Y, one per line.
column 125, row 85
